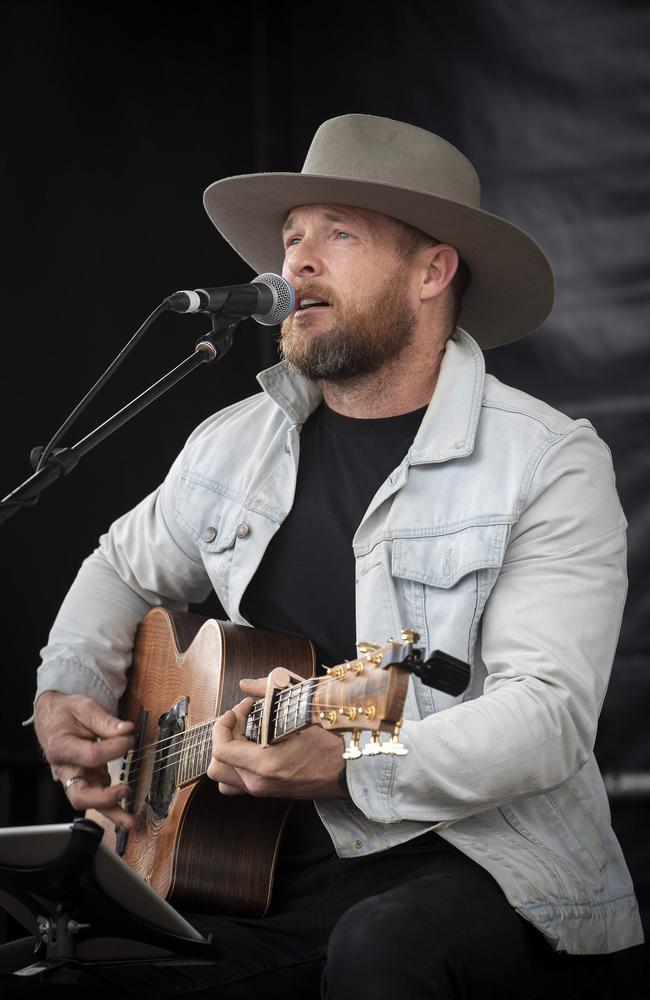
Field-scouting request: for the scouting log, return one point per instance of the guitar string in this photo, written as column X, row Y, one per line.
column 196, row 742
column 159, row 745
column 287, row 694
column 198, row 745
column 190, row 752
column 256, row 713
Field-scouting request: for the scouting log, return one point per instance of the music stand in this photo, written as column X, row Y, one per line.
column 85, row 905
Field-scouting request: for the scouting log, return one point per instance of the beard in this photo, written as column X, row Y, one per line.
column 361, row 337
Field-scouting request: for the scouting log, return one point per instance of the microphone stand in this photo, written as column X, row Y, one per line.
column 211, row 347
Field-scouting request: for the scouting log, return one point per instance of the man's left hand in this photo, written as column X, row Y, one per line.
column 305, row 765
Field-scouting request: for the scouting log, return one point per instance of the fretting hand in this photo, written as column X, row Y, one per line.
column 306, row 765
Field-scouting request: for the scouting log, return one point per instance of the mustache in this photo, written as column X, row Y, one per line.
column 312, row 290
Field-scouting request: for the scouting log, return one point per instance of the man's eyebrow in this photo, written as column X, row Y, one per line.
column 338, row 216
column 330, row 216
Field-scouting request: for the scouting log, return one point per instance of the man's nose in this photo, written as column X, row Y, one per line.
column 303, row 259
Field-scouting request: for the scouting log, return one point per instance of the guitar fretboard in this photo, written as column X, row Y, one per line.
column 195, row 751
column 290, row 711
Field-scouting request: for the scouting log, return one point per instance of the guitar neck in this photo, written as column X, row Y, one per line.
column 195, row 752
column 290, row 711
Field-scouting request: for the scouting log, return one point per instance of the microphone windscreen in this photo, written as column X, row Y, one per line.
column 280, row 301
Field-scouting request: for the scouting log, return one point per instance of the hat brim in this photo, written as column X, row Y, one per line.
column 511, row 289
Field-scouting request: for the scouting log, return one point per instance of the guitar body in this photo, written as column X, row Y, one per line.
column 200, row 850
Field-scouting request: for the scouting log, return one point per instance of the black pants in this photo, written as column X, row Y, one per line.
column 420, row 920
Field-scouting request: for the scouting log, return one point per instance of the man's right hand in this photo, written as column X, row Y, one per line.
column 78, row 738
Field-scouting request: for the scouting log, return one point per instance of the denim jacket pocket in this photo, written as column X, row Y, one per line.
column 442, row 582
column 442, row 559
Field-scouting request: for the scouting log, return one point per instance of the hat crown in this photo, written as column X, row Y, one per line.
column 383, row 151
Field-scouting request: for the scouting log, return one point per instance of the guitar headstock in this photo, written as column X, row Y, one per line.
column 368, row 693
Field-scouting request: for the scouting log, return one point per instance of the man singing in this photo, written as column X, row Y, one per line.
column 381, row 479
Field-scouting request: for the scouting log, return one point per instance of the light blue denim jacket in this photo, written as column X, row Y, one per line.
column 500, row 539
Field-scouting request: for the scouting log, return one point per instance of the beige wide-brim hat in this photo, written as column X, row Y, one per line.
column 387, row 166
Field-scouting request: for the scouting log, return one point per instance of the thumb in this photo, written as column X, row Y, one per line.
column 254, row 687
column 102, row 723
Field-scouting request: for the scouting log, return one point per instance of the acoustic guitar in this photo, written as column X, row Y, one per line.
column 199, row 849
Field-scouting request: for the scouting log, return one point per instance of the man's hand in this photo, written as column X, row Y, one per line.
column 306, row 765
column 78, row 738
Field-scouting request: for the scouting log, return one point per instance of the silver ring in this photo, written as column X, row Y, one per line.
column 70, row 781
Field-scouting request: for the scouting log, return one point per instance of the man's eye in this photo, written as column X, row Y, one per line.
column 342, row 235
column 292, row 240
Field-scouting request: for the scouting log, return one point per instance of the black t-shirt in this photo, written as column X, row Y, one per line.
column 306, row 581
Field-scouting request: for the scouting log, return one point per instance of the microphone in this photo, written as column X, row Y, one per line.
column 268, row 298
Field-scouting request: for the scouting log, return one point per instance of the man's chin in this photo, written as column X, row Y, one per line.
column 329, row 364
column 304, row 342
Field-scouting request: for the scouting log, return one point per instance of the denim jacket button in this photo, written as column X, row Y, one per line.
column 242, row 530
column 358, row 844
column 209, row 534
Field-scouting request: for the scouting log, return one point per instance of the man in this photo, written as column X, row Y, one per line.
column 382, row 480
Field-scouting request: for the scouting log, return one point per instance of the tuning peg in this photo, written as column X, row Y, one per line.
column 393, row 745
column 410, row 635
column 366, row 647
column 373, row 747
column 353, row 751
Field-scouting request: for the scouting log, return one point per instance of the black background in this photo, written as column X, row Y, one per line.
column 115, row 117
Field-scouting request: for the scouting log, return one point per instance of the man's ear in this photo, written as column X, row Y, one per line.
column 439, row 264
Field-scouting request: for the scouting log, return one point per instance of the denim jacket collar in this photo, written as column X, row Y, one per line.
column 451, row 421
column 296, row 396
column 449, row 427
